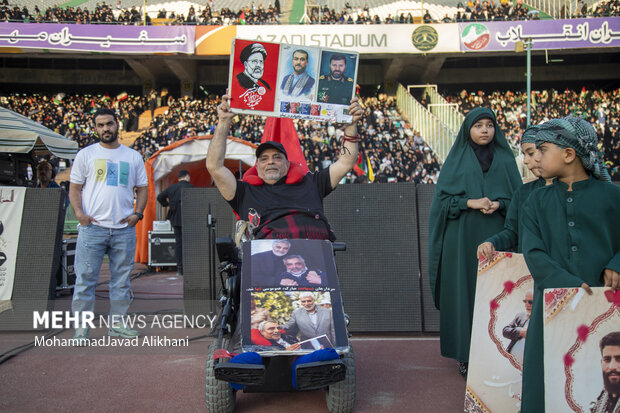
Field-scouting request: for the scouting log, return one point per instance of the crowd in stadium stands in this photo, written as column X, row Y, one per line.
column 600, row 108
column 605, row 8
column 471, row 10
column 251, row 15
column 396, row 152
column 70, row 115
column 104, row 13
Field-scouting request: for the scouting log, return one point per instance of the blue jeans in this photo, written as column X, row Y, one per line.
column 93, row 243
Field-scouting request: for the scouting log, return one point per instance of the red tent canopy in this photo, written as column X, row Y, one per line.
column 190, row 153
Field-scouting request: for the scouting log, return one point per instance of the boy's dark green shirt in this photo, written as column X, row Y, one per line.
column 511, row 237
column 569, row 238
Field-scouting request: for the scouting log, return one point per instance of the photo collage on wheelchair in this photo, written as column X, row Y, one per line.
column 290, row 297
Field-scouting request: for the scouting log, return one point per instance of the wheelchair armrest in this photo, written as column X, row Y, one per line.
column 226, row 250
column 339, row 246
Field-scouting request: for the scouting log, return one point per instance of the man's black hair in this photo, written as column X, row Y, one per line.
column 182, row 173
column 105, row 111
column 338, row 56
column 302, row 51
column 611, row 339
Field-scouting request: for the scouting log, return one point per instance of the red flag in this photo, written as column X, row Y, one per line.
column 283, row 130
column 357, row 168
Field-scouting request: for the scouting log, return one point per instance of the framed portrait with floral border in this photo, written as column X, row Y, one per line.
column 499, row 330
column 582, row 350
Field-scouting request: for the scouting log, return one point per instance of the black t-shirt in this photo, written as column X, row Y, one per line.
column 281, row 210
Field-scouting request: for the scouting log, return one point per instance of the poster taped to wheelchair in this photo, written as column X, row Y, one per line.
column 291, row 298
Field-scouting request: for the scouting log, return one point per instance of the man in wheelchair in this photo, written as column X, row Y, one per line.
column 279, row 199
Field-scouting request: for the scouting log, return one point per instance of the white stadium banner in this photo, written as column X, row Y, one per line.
column 384, row 38
column 11, row 207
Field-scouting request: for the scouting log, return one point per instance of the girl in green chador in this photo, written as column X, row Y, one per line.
column 470, row 202
column 571, row 232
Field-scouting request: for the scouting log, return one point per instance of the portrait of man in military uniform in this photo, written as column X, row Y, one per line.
column 337, row 85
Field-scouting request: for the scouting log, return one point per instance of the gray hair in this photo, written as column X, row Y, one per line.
column 261, row 326
column 306, row 294
column 281, row 241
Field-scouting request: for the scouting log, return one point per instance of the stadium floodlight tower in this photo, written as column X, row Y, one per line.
column 527, row 46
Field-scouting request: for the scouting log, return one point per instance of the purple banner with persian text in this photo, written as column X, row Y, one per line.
column 98, row 38
column 545, row 34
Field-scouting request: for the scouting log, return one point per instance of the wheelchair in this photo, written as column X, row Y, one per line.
column 275, row 373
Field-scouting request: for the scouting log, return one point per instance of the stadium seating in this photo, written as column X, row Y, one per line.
column 333, row 11
column 395, row 148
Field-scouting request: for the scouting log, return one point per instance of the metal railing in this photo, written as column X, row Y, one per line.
column 435, row 133
column 448, row 113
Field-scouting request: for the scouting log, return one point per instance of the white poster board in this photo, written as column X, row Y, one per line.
column 11, row 208
column 503, row 298
column 291, row 81
column 575, row 325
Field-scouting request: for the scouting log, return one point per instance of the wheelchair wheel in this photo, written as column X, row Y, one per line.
column 219, row 396
column 341, row 396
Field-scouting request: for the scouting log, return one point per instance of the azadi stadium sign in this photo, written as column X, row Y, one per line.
column 422, row 38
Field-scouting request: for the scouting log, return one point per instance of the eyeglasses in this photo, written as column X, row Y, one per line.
column 528, row 301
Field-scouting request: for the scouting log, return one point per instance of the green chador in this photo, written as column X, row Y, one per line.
column 456, row 231
column 569, row 238
column 511, row 237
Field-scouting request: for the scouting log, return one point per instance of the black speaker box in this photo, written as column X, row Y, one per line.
column 38, row 257
column 430, row 313
column 380, row 271
column 162, row 249
column 198, row 258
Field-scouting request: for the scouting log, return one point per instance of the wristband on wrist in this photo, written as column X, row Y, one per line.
column 348, row 138
column 139, row 215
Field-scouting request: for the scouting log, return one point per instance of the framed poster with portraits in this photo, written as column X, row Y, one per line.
column 291, row 81
column 582, row 350
column 291, row 301
column 501, row 316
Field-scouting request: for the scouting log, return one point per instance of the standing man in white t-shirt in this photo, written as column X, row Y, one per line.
column 103, row 179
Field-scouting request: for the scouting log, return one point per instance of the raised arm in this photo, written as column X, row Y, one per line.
column 224, row 179
column 348, row 155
